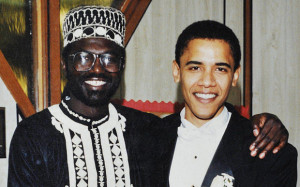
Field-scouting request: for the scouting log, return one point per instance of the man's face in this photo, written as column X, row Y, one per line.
column 96, row 86
column 206, row 75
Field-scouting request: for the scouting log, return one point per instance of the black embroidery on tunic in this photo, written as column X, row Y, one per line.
column 117, row 157
column 79, row 159
column 98, row 155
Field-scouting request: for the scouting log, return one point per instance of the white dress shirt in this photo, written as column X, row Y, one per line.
column 195, row 148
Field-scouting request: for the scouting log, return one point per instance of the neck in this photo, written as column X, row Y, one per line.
column 90, row 111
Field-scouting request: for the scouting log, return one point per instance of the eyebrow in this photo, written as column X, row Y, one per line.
column 223, row 64
column 193, row 62
column 111, row 52
column 200, row 63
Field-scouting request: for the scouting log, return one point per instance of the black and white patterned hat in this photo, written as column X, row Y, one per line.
column 94, row 22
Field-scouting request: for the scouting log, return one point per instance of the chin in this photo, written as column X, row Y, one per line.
column 94, row 98
column 205, row 117
column 96, row 102
column 208, row 115
column 97, row 98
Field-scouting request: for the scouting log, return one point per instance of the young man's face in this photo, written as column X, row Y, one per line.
column 206, row 75
column 96, row 86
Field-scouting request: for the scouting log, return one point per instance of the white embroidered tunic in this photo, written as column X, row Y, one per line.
column 96, row 154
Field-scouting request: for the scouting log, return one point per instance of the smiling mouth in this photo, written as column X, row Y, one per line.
column 205, row 96
column 95, row 82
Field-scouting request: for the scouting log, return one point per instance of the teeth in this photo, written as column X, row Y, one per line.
column 95, row 83
column 205, row 96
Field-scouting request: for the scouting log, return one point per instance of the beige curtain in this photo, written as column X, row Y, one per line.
column 276, row 62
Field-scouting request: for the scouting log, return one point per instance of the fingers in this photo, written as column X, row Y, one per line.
column 272, row 135
column 282, row 143
column 256, row 130
column 261, row 140
column 258, row 119
column 262, row 120
column 272, row 144
column 263, row 154
column 267, row 148
column 266, row 145
column 258, row 122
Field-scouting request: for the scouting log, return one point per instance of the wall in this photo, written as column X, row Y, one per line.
column 276, row 62
column 7, row 101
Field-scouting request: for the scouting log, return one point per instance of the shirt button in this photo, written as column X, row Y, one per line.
column 196, row 157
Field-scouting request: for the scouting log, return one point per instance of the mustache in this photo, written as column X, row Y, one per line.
column 96, row 75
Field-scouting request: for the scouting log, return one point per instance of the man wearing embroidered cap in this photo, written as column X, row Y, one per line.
column 94, row 22
column 85, row 140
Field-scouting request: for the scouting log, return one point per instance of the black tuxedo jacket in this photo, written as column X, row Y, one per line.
column 233, row 156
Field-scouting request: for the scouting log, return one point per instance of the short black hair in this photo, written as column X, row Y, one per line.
column 208, row 29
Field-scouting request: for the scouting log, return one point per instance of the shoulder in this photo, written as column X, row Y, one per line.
column 291, row 151
column 138, row 117
column 36, row 120
column 279, row 169
column 135, row 114
column 36, row 126
column 287, row 155
column 35, row 134
column 172, row 120
column 172, row 117
column 238, row 122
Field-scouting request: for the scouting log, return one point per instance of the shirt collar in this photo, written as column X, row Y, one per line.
column 215, row 126
column 81, row 118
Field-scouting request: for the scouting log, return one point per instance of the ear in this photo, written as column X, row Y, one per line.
column 176, row 71
column 63, row 64
column 123, row 66
column 236, row 76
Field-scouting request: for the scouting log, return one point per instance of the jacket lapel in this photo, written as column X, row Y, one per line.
column 232, row 153
column 219, row 163
column 172, row 122
column 232, row 156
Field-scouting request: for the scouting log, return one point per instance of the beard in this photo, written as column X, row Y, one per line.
column 93, row 98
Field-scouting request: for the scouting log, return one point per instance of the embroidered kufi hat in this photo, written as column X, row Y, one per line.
column 94, row 22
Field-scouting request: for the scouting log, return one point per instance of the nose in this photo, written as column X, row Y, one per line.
column 97, row 68
column 207, row 79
